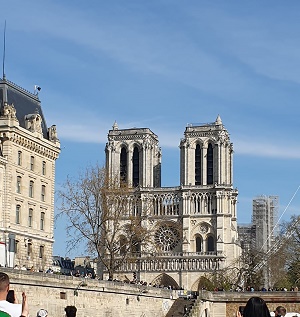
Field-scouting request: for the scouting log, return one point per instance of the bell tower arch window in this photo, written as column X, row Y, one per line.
column 210, row 164
column 210, row 244
column 135, row 167
column 123, row 165
column 198, row 165
column 198, row 244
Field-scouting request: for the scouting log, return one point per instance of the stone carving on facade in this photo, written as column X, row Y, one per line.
column 52, row 133
column 33, row 122
column 110, row 145
column 147, row 143
column 193, row 222
column 158, row 151
column 223, row 137
column 9, row 111
column 151, row 222
column 203, row 228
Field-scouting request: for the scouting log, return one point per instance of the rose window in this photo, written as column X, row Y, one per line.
column 167, row 237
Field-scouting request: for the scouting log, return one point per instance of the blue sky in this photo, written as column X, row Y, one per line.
column 164, row 64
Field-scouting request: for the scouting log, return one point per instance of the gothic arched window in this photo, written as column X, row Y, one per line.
column 210, row 164
column 135, row 167
column 210, row 244
column 198, row 244
column 123, row 165
column 198, row 165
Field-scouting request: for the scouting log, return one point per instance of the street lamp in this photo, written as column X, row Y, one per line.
column 82, row 283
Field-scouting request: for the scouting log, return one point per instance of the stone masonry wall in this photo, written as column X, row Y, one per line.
column 95, row 298
column 226, row 304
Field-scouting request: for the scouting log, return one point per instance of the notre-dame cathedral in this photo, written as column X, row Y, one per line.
column 195, row 223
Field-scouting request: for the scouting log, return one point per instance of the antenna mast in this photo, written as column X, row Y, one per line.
column 4, row 42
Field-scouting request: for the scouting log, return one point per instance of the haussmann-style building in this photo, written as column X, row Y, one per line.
column 28, row 151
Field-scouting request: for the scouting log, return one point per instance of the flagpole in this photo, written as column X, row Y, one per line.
column 4, row 43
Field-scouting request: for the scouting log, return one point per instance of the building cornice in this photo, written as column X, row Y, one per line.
column 37, row 144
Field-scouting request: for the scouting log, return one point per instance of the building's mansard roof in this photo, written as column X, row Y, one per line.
column 24, row 102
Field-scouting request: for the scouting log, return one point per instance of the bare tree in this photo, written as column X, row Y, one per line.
column 106, row 215
column 292, row 249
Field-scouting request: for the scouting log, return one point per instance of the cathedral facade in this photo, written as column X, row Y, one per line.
column 195, row 224
column 28, row 151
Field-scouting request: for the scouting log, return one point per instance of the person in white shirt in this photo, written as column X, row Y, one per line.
column 14, row 310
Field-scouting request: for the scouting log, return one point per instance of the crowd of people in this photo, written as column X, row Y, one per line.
column 9, row 306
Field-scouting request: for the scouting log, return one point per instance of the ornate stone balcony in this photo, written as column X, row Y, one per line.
column 181, row 261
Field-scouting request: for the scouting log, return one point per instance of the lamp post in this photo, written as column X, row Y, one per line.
column 82, row 283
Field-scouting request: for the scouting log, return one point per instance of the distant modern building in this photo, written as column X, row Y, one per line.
column 195, row 228
column 261, row 233
column 28, row 151
column 246, row 233
column 264, row 218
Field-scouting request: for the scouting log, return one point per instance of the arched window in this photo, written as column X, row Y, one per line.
column 18, row 214
column 31, row 185
column 198, row 244
column 123, row 165
column 210, row 244
column 210, row 164
column 19, row 180
column 198, row 165
column 135, row 167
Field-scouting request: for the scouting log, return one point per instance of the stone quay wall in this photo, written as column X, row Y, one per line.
column 115, row 299
column 95, row 298
column 226, row 304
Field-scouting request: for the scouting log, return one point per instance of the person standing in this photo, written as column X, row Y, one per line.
column 70, row 311
column 280, row 311
column 14, row 310
column 255, row 307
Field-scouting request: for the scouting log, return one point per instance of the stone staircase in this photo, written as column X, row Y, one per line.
column 195, row 309
column 181, row 308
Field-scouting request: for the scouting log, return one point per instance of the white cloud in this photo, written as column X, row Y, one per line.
column 266, row 149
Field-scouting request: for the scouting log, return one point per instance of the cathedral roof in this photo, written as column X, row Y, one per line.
column 24, row 102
